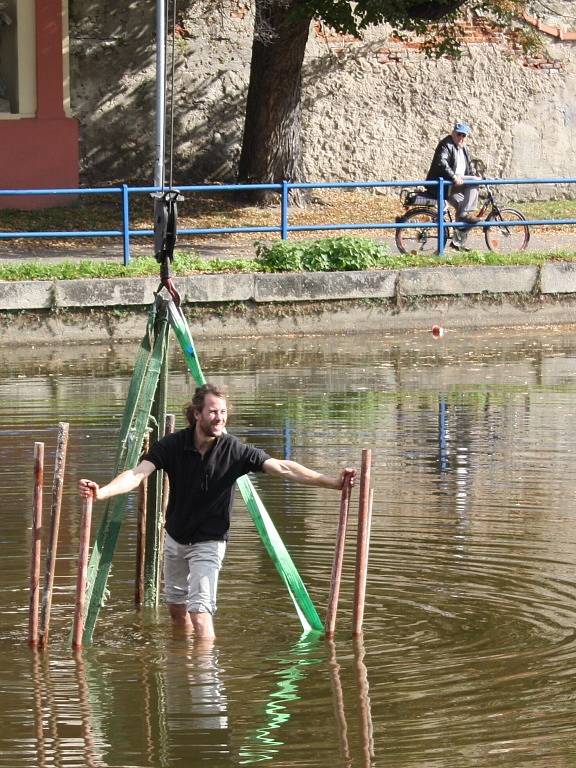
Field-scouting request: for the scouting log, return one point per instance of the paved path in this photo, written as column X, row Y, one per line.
column 224, row 248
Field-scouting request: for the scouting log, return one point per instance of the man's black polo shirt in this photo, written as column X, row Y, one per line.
column 202, row 487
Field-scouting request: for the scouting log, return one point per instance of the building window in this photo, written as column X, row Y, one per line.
column 17, row 59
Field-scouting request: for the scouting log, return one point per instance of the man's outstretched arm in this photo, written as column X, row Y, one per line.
column 298, row 473
column 123, row 483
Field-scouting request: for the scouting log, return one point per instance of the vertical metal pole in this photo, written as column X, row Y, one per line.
column 362, row 542
column 141, row 534
column 284, row 210
column 125, row 225
column 84, row 551
column 36, row 545
column 441, row 230
column 442, row 442
column 287, row 440
column 160, row 132
column 52, row 548
column 338, row 560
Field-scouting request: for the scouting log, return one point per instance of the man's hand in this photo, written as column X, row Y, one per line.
column 88, row 489
column 458, row 181
column 347, row 475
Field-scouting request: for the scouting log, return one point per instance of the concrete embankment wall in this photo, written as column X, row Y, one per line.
column 81, row 311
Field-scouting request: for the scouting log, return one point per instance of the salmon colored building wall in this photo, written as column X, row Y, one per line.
column 39, row 143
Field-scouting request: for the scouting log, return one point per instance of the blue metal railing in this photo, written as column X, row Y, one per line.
column 125, row 233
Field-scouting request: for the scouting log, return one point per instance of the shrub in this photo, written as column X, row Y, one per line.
column 326, row 255
column 280, row 256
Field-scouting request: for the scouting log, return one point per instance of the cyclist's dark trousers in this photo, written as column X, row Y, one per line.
column 464, row 199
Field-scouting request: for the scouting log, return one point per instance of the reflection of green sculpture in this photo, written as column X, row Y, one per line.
column 262, row 744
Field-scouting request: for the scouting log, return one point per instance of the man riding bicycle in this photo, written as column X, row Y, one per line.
column 451, row 162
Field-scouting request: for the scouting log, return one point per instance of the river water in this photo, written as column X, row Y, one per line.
column 469, row 648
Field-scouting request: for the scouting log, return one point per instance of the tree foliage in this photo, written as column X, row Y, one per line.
column 433, row 20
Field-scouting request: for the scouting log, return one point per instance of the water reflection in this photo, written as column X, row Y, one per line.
column 195, row 703
column 263, row 743
column 64, row 724
column 469, row 639
column 362, row 692
column 82, row 718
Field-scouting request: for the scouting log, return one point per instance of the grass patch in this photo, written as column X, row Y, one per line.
column 145, row 266
column 323, row 255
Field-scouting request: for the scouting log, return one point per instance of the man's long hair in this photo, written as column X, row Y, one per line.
column 197, row 402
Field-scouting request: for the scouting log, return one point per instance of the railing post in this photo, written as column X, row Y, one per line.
column 125, row 224
column 284, row 210
column 441, row 230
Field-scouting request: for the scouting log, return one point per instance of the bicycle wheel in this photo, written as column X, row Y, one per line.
column 505, row 239
column 418, row 239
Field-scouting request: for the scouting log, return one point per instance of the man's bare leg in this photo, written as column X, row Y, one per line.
column 203, row 625
column 179, row 615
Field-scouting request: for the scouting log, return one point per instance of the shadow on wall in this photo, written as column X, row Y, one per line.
column 113, row 84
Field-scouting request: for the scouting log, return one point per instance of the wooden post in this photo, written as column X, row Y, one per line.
column 362, row 542
column 141, row 533
column 338, row 560
column 36, row 545
column 85, row 526
column 51, row 550
column 169, row 427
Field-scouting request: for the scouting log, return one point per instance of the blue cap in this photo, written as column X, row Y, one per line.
column 462, row 128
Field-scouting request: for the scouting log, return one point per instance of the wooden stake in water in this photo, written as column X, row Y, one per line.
column 84, row 551
column 51, row 550
column 36, row 545
column 169, row 428
column 141, row 534
column 364, row 524
column 338, row 560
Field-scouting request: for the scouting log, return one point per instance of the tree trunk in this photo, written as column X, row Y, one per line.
column 271, row 146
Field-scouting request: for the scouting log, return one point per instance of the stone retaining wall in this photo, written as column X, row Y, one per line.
column 373, row 109
column 277, row 304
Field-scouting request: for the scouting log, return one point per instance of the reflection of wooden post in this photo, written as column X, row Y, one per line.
column 364, row 513
column 37, row 681
column 338, row 560
column 366, row 726
column 36, row 545
column 92, row 757
column 85, row 526
column 141, row 533
column 338, row 695
column 51, row 550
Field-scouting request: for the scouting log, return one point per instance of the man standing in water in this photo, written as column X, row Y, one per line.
column 202, row 462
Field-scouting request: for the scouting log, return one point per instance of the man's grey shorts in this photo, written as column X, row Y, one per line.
column 191, row 573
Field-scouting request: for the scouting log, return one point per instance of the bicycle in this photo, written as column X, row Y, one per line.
column 422, row 207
